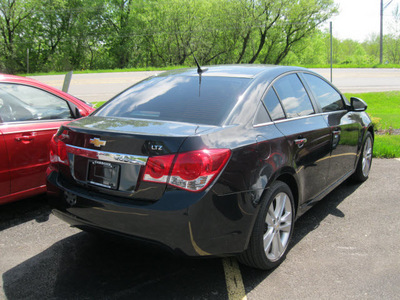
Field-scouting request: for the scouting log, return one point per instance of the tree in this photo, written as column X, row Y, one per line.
column 300, row 20
column 13, row 15
column 392, row 41
column 76, row 34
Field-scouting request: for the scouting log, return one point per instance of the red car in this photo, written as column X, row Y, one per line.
column 30, row 114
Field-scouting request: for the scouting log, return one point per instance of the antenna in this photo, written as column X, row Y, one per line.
column 199, row 69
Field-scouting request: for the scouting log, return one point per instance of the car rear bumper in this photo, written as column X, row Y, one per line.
column 203, row 224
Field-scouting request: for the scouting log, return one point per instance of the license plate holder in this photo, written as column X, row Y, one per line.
column 103, row 174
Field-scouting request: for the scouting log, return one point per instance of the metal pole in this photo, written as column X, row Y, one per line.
column 330, row 25
column 381, row 36
column 27, row 60
column 67, row 81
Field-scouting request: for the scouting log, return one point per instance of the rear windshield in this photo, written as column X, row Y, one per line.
column 190, row 99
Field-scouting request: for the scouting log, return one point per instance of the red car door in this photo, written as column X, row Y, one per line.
column 28, row 119
column 28, row 153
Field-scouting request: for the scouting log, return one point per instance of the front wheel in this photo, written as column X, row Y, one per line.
column 272, row 230
column 364, row 163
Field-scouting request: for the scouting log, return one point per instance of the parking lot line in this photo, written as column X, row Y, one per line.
column 233, row 278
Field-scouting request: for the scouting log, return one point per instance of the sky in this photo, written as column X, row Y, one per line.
column 358, row 19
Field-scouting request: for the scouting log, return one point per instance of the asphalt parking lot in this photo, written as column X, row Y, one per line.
column 345, row 247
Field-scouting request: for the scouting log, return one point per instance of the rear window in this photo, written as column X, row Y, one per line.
column 178, row 98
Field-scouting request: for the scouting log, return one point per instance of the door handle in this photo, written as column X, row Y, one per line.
column 26, row 137
column 336, row 133
column 300, row 142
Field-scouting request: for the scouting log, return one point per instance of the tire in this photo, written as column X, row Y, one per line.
column 273, row 227
column 364, row 163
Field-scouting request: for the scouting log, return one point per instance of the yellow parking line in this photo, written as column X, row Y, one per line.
column 233, row 278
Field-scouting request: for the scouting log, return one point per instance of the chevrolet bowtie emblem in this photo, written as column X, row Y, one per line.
column 97, row 142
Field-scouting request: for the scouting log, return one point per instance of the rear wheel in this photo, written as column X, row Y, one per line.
column 364, row 163
column 273, row 229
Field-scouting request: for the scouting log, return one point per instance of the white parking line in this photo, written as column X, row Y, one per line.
column 397, row 159
column 233, row 278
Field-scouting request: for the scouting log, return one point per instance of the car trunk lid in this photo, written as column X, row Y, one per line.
column 107, row 155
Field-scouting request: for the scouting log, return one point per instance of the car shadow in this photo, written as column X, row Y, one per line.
column 87, row 266
column 22, row 211
column 307, row 223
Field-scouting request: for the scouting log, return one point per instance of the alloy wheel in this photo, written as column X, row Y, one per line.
column 367, row 157
column 278, row 223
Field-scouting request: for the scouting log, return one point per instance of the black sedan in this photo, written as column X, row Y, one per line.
column 210, row 162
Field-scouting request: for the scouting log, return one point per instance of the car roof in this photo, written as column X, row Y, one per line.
column 15, row 78
column 241, row 71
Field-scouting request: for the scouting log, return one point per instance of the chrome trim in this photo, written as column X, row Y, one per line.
column 298, row 118
column 108, row 156
column 287, row 120
column 263, row 124
column 332, row 112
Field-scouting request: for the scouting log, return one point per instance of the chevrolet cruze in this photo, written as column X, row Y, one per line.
column 210, row 162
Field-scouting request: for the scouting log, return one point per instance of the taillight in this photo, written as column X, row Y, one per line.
column 158, row 168
column 58, row 151
column 192, row 171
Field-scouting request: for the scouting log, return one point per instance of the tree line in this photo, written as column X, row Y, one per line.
column 61, row 35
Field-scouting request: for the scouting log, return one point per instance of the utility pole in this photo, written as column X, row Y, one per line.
column 381, row 37
column 330, row 29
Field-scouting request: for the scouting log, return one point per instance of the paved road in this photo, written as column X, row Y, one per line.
column 97, row 86
column 346, row 247
column 364, row 80
column 103, row 86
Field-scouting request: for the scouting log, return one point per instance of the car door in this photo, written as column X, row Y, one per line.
column 29, row 117
column 307, row 133
column 344, row 125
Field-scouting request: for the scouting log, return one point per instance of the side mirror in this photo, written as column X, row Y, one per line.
column 357, row 104
column 77, row 113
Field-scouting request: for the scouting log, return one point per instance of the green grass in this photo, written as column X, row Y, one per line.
column 98, row 104
column 387, row 146
column 383, row 108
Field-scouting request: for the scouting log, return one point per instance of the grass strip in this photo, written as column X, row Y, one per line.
column 383, row 108
column 387, row 146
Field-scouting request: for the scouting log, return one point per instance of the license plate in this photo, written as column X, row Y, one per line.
column 103, row 174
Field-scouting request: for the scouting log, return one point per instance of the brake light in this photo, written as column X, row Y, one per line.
column 192, row 171
column 158, row 168
column 58, row 151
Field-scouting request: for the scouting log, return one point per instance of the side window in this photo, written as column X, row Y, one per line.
column 273, row 105
column 327, row 96
column 24, row 103
column 261, row 115
column 293, row 96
